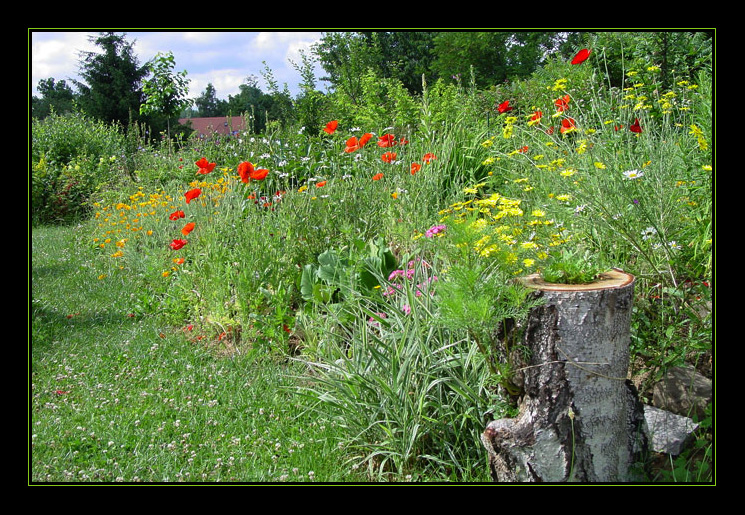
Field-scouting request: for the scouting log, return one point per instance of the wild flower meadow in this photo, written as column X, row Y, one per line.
column 382, row 259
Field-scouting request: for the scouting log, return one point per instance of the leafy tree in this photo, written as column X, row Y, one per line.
column 111, row 90
column 251, row 102
column 165, row 92
column 494, row 56
column 346, row 58
column 678, row 54
column 310, row 103
column 55, row 96
column 282, row 108
column 404, row 56
column 207, row 103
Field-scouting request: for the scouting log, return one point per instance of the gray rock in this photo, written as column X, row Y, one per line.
column 670, row 433
column 683, row 391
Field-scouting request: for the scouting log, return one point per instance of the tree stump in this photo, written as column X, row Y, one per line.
column 579, row 418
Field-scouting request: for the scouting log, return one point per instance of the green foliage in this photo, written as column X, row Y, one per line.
column 572, row 267
column 356, row 270
column 411, row 396
column 73, row 157
column 397, row 338
column 164, row 92
column 56, row 97
column 111, row 86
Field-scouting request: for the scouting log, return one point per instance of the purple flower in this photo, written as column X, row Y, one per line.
column 434, row 230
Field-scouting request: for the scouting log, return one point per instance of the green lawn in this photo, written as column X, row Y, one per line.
column 117, row 397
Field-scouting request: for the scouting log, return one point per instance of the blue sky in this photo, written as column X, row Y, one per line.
column 223, row 58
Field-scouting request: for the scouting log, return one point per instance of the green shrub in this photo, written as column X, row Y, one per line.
column 72, row 157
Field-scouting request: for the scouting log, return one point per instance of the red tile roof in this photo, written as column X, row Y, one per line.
column 214, row 124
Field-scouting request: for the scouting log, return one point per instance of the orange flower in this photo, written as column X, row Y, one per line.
column 355, row 144
column 320, row 184
column 365, row 138
column 386, row 140
column 204, row 166
column 388, row 157
column 192, row 194
column 187, row 228
column 177, row 244
column 244, row 169
column 247, row 171
column 428, row 157
column 259, row 174
column 176, row 215
column 331, row 126
column 562, row 104
column 377, row 176
column 415, row 167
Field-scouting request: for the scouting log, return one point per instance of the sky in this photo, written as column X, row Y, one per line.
column 223, row 58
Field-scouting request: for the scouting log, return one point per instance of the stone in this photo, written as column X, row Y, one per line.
column 683, row 391
column 670, row 433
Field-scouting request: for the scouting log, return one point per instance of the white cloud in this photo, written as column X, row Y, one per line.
column 223, row 58
column 57, row 54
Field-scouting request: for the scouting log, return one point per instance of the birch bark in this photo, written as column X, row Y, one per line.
column 579, row 417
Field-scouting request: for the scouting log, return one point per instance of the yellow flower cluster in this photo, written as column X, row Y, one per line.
column 499, row 228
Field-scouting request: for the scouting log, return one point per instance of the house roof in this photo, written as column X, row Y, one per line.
column 214, row 124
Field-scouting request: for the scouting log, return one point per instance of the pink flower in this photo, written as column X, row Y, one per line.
column 432, row 231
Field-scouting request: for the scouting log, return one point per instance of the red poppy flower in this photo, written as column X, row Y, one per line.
column 581, row 56
column 388, row 157
column 204, row 166
column 176, row 215
column 567, row 124
column 415, row 167
column 259, row 174
column 187, row 228
column 562, row 104
column 377, row 176
column 386, row 140
column 536, row 117
column 320, row 184
column 365, row 138
column 192, row 194
column 504, row 107
column 428, row 157
column 247, row 172
column 636, row 127
column 244, row 169
column 353, row 143
column 177, row 244
column 331, row 126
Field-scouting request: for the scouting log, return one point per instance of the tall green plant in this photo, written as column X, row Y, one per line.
column 165, row 92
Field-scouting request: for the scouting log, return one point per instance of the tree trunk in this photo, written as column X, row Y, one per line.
column 579, row 418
